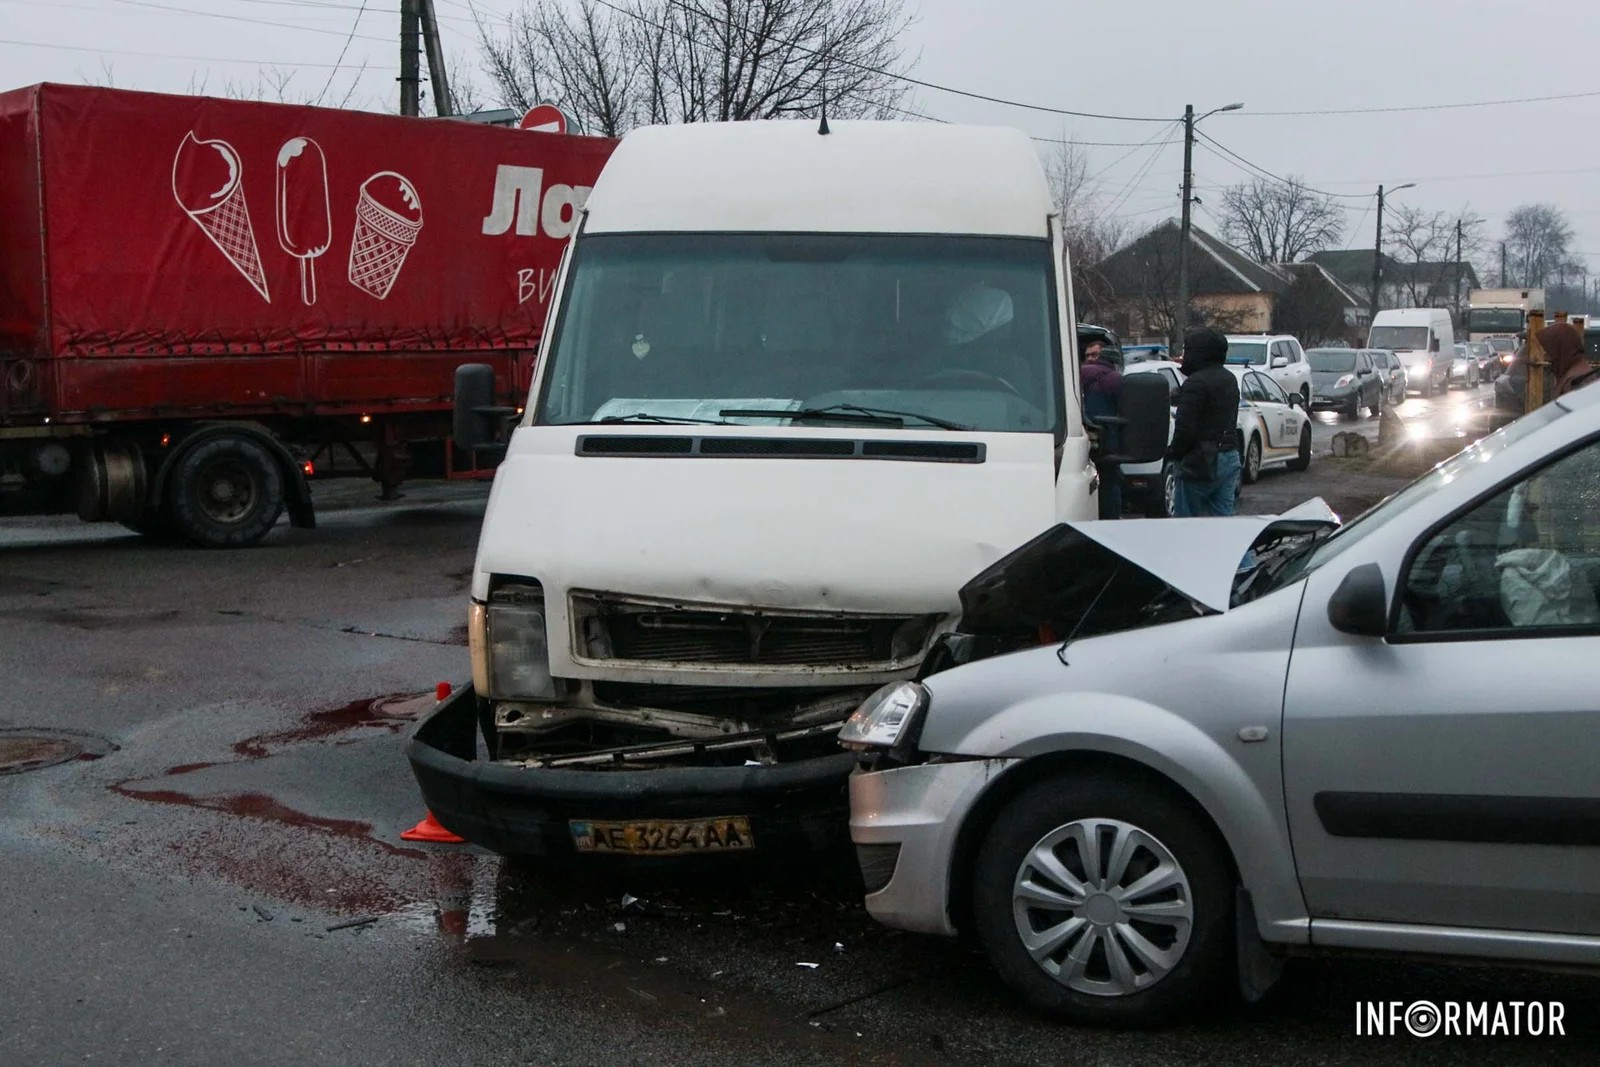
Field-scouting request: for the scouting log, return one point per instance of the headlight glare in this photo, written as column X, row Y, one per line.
column 886, row 718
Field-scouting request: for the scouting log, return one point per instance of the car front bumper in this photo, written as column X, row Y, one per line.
column 904, row 822
column 514, row 809
column 1331, row 400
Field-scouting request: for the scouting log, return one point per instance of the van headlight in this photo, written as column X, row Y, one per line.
column 886, row 719
column 515, row 644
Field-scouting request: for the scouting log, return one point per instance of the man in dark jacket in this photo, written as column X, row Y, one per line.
column 1102, row 390
column 1205, row 434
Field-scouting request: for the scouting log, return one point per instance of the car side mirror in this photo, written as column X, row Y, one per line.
column 1295, row 400
column 476, row 420
column 1279, row 362
column 1360, row 605
column 1146, row 410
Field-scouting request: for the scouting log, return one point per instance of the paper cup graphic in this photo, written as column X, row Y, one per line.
column 209, row 187
column 388, row 220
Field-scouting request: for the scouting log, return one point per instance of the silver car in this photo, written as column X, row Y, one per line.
column 1158, row 757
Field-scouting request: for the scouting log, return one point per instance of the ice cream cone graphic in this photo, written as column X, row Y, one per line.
column 208, row 183
column 388, row 220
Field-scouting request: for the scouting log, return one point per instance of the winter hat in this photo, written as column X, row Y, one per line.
column 1204, row 346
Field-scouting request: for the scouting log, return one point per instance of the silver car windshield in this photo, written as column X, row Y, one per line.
column 1373, row 518
column 955, row 330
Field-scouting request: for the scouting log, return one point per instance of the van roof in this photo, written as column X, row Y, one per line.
column 1409, row 316
column 863, row 177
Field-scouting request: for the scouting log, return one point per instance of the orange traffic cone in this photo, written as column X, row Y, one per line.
column 430, row 830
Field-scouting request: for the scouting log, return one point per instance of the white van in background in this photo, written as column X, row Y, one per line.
column 1425, row 341
column 797, row 386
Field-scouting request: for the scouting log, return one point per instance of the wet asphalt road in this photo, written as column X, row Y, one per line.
column 227, row 885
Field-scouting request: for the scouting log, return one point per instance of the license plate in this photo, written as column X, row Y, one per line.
column 664, row 837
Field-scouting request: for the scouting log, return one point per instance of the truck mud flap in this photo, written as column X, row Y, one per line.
column 518, row 810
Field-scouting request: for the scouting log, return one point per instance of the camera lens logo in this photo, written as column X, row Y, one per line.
column 1423, row 1019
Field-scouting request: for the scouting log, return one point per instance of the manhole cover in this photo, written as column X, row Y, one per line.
column 30, row 750
column 403, row 707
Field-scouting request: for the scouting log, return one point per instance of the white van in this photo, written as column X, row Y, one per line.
column 796, row 388
column 1423, row 338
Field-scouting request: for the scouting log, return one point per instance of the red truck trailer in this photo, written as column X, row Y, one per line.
column 199, row 298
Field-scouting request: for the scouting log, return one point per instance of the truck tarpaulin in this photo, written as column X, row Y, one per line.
column 138, row 223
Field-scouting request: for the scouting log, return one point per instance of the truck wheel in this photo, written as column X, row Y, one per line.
column 1105, row 902
column 226, row 492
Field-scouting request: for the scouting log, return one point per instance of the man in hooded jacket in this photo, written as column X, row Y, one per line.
column 1205, row 430
column 1569, row 364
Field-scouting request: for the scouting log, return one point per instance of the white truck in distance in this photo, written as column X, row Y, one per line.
column 797, row 386
column 1500, row 313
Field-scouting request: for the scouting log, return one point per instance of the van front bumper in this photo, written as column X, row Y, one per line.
column 515, row 809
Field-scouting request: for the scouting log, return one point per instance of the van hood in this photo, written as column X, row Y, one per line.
column 641, row 512
column 1065, row 573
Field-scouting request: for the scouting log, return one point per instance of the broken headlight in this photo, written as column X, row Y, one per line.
column 516, row 643
column 886, row 719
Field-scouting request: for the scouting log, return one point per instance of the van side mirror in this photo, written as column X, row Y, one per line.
column 1433, row 345
column 1360, row 606
column 1146, row 411
column 476, row 420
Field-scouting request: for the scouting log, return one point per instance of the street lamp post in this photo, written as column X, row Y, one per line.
column 1377, row 251
column 1181, row 317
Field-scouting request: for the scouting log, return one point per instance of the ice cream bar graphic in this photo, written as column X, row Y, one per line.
column 388, row 220
column 305, row 228
column 208, row 183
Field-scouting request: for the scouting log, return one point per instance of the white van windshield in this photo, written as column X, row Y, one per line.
column 953, row 331
column 1399, row 338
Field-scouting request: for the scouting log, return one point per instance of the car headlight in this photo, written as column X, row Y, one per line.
column 516, row 643
column 1344, row 381
column 886, row 718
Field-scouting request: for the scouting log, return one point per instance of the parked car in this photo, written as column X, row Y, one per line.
column 1274, row 426
column 1279, row 355
column 1483, row 355
column 1141, row 773
column 1393, row 373
column 1145, row 354
column 1504, row 349
column 1345, row 380
column 1463, row 368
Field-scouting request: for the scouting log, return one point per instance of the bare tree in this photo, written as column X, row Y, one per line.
column 651, row 61
column 1280, row 222
column 1088, row 233
column 1311, row 308
column 1538, row 243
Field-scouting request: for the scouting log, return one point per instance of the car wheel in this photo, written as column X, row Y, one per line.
column 1105, row 902
column 1398, row 395
column 1305, row 397
column 226, row 492
column 1252, row 461
column 1302, row 459
column 1353, row 409
column 1426, row 389
column 1376, row 407
column 1163, row 503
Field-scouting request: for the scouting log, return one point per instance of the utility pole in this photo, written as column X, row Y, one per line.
column 410, row 72
column 436, row 69
column 1458, row 271
column 1180, row 320
column 1502, row 264
column 1377, row 260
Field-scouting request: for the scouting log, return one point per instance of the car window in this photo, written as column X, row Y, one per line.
column 1252, row 387
column 1525, row 559
column 1296, row 353
column 1363, row 362
column 1280, row 349
column 1171, row 376
column 1271, row 390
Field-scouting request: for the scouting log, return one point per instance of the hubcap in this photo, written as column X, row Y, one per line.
column 1253, row 459
column 227, row 491
column 1103, row 907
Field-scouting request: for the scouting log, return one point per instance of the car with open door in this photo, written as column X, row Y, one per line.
column 1319, row 763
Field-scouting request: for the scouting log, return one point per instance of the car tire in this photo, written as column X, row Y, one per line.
column 1161, row 501
column 225, row 492
column 1190, row 945
column 1305, row 397
column 1302, row 459
column 1376, row 407
column 1353, row 409
column 1250, row 470
column 1426, row 390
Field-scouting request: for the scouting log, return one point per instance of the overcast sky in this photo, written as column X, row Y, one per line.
column 1135, row 57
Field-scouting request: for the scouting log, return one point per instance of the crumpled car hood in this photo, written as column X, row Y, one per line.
column 1066, row 570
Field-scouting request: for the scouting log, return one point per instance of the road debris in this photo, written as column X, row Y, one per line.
column 810, row 966
column 351, row 924
column 620, row 928
column 261, row 913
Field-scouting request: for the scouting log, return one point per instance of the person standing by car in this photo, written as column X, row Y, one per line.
column 1205, row 434
column 1102, row 392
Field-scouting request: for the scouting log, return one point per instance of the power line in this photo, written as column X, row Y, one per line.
column 170, row 55
column 353, row 26
column 243, row 18
column 881, row 72
column 1267, row 173
column 1420, row 107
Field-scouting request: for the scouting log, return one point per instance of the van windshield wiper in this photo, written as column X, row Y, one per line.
column 645, row 416
column 847, row 413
